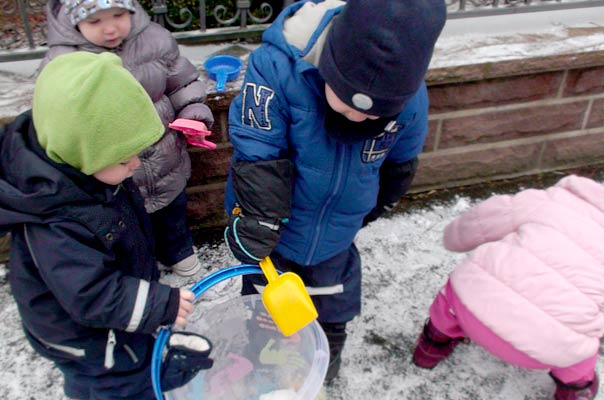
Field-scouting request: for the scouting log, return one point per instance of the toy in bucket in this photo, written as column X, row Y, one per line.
column 252, row 359
column 195, row 132
column 223, row 69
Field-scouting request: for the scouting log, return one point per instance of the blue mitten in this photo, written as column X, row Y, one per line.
column 187, row 354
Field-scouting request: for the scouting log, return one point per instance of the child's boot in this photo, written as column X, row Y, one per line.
column 188, row 266
column 432, row 347
column 575, row 391
column 336, row 337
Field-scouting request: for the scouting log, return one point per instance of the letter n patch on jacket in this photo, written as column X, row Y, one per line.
column 255, row 103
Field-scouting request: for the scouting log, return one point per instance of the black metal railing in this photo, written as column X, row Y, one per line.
column 224, row 14
column 482, row 8
column 24, row 34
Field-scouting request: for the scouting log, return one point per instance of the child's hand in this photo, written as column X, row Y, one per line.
column 185, row 307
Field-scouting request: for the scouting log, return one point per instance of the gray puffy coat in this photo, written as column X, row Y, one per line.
column 151, row 54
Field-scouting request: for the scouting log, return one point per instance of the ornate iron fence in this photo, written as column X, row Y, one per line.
column 23, row 21
column 481, row 8
column 18, row 20
column 24, row 36
column 223, row 14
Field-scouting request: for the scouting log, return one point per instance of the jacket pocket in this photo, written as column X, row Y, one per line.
column 69, row 350
column 56, row 351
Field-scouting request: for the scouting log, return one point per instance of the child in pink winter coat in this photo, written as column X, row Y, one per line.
column 532, row 290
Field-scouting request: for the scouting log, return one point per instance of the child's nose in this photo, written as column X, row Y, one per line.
column 109, row 28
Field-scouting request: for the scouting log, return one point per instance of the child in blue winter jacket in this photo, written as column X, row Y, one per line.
column 326, row 131
column 82, row 268
column 151, row 54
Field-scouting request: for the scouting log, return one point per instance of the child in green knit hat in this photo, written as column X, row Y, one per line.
column 82, row 265
column 102, row 118
column 151, row 54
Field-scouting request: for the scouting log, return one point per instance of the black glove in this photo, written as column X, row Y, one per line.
column 263, row 191
column 378, row 211
column 250, row 239
column 395, row 179
column 187, row 354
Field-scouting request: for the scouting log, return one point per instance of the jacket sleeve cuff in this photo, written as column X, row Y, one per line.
column 172, row 307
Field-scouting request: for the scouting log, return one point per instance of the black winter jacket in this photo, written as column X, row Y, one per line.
column 81, row 267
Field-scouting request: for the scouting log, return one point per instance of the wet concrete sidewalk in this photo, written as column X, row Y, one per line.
column 17, row 78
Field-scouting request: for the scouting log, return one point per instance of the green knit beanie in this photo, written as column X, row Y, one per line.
column 91, row 113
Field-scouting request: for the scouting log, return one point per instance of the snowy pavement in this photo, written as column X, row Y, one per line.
column 404, row 265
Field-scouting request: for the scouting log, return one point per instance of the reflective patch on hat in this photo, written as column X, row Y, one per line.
column 362, row 101
column 104, row 4
column 82, row 15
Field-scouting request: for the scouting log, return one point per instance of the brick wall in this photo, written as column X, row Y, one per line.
column 488, row 121
column 210, row 168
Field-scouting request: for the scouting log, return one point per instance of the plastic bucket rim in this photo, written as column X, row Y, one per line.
column 318, row 364
column 206, row 283
column 199, row 288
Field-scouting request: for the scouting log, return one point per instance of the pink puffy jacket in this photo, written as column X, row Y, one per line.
column 536, row 276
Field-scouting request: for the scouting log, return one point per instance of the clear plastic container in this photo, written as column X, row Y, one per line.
column 252, row 359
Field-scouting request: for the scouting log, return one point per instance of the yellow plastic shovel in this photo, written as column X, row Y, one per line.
column 286, row 299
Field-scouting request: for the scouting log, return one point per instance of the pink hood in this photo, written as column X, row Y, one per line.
column 536, row 276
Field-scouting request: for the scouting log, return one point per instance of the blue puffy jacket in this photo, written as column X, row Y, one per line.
column 279, row 114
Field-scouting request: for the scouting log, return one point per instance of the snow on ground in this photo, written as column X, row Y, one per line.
column 518, row 36
column 451, row 51
column 404, row 265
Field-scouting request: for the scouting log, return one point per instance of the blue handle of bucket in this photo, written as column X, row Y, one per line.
column 221, row 79
column 198, row 289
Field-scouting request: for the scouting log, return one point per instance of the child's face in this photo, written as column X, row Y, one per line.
column 106, row 28
column 340, row 107
column 115, row 174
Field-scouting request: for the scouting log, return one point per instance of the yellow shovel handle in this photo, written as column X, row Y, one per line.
column 269, row 269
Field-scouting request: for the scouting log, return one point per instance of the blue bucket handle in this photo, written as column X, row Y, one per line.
column 221, row 78
column 198, row 289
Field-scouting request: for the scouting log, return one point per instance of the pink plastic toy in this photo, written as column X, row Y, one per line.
column 194, row 131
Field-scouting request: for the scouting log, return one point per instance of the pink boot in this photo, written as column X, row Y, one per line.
column 432, row 347
column 576, row 391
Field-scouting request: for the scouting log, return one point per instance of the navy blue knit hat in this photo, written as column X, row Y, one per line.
column 377, row 52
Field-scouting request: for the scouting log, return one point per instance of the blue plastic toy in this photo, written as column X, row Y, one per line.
column 223, row 69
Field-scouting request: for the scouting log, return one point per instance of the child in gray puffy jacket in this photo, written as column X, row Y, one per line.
column 151, row 54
